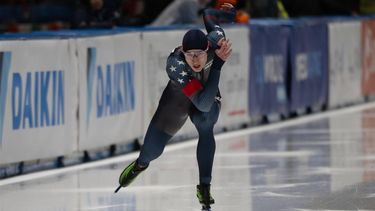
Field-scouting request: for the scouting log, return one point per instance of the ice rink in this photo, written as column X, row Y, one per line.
column 318, row 162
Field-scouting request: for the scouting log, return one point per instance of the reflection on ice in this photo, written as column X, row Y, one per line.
column 326, row 164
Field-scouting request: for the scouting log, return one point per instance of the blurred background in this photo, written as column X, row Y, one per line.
column 33, row 15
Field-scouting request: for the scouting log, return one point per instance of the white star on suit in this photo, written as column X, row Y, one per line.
column 219, row 33
column 180, row 80
column 183, row 73
column 180, row 62
column 172, row 68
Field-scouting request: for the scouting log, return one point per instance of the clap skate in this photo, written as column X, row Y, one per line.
column 129, row 174
column 204, row 197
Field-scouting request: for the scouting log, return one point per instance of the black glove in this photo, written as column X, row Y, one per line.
column 214, row 37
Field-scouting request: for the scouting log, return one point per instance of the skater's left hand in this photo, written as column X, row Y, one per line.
column 227, row 7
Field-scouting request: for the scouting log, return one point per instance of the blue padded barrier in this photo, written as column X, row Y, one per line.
column 309, row 64
column 268, row 68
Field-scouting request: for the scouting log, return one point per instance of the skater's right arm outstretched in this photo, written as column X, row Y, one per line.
column 213, row 19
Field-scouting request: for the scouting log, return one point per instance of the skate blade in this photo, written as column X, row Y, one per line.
column 118, row 188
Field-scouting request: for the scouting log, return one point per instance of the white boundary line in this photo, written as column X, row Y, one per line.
column 191, row 142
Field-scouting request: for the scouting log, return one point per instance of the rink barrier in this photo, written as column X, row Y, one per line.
column 104, row 72
column 368, row 58
column 308, row 64
column 268, row 93
column 39, row 100
column 110, row 90
column 345, row 66
column 234, row 82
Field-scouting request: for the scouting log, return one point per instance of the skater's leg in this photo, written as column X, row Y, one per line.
column 155, row 141
column 204, row 122
column 154, row 144
column 205, row 154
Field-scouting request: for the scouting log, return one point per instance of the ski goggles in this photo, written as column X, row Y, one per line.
column 191, row 54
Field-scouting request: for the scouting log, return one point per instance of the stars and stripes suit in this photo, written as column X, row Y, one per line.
column 189, row 94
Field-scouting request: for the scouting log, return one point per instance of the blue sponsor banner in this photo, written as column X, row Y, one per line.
column 268, row 68
column 309, row 64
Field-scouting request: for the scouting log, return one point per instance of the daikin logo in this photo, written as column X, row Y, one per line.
column 5, row 59
column 113, row 85
column 37, row 99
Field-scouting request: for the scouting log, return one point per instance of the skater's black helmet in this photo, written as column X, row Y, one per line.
column 194, row 39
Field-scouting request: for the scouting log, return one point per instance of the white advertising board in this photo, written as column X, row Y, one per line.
column 110, row 92
column 38, row 99
column 345, row 69
column 234, row 80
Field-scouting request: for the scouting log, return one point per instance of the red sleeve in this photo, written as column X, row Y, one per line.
column 192, row 87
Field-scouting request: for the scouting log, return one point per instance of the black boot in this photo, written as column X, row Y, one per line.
column 204, row 195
